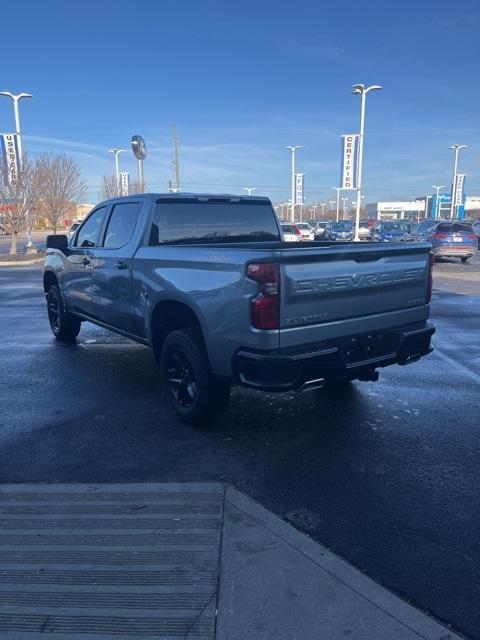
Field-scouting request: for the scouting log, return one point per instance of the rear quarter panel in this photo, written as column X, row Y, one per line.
column 212, row 282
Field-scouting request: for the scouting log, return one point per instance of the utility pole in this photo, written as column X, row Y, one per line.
column 176, row 159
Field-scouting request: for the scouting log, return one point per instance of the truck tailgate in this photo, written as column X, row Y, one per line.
column 336, row 290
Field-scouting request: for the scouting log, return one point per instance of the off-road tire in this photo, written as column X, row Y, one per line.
column 65, row 327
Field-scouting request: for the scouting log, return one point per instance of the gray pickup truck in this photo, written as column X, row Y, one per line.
column 208, row 283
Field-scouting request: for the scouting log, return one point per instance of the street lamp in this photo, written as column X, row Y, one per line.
column 437, row 201
column 115, row 152
column 249, row 189
column 361, row 90
column 338, row 189
column 16, row 99
column 293, row 149
column 456, row 148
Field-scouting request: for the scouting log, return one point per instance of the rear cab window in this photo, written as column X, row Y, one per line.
column 194, row 221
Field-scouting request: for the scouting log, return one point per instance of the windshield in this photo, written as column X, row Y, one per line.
column 342, row 226
column 448, row 227
column 395, row 226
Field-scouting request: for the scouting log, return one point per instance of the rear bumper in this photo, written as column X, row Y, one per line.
column 350, row 358
column 454, row 251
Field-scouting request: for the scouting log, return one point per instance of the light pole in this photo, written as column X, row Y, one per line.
column 249, row 189
column 344, row 200
column 437, row 201
column 115, row 152
column 361, row 90
column 456, row 148
column 314, row 207
column 332, row 204
column 293, row 149
column 338, row 189
column 16, row 99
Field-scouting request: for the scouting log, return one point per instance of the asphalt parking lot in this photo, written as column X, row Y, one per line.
column 386, row 475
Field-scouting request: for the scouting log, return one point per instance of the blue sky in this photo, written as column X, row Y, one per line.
column 243, row 79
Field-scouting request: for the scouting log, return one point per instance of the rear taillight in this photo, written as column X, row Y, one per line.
column 431, row 260
column 440, row 236
column 265, row 308
column 471, row 236
column 296, row 230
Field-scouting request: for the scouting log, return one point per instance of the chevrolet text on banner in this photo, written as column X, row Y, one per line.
column 299, row 188
column 9, row 145
column 124, row 182
column 458, row 193
column 349, row 161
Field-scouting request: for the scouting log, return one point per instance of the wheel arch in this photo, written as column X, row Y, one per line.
column 168, row 315
column 49, row 278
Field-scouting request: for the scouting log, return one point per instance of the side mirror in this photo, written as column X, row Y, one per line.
column 59, row 242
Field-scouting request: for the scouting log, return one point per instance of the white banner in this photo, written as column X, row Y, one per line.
column 299, row 188
column 349, row 161
column 124, row 182
column 10, row 157
column 458, row 198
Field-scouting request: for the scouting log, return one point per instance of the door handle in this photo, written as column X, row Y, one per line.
column 85, row 261
column 120, row 264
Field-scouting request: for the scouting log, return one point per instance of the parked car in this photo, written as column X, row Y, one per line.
column 339, row 230
column 207, row 282
column 420, row 229
column 453, row 239
column 318, row 228
column 390, row 231
column 306, row 231
column 364, row 230
column 74, row 227
column 476, row 231
column 291, row 232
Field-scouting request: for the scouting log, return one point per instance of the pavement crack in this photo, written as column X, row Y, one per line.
column 199, row 615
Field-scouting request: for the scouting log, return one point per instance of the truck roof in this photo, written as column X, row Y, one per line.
column 200, row 196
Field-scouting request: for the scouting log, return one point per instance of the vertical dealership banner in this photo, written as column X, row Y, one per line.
column 299, row 188
column 124, row 183
column 349, row 161
column 458, row 189
column 10, row 157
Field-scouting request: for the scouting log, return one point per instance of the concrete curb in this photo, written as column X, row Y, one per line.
column 23, row 263
column 351, row 578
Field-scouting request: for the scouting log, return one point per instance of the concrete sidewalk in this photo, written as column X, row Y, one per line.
column 163, row 561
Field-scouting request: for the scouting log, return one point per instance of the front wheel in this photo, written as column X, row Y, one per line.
column 64, row 326
column 196, row 395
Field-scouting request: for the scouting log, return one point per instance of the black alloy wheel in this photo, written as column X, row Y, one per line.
column 181, row 378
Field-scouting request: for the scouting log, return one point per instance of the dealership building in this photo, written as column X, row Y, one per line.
column 423, row 207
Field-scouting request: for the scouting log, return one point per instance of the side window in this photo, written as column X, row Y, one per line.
column 121, row 224
column 87, row 235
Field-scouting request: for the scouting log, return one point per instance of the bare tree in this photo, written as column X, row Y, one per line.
column 136, row 186
column 18, row 199
column 109, row 188
column 61, row 186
